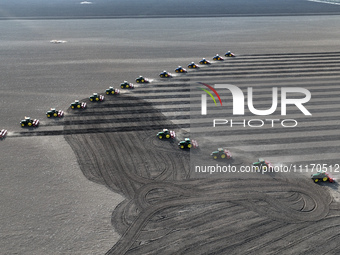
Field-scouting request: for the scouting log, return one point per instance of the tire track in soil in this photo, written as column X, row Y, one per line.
column 222, row 216
column 194, row 238
column 290, row 215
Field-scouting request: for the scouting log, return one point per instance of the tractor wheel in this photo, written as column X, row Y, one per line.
column 142, row 81
column 29, row 124
column 107, row 93
column 55, row 114
column 137, row 81
column 325, row 179
column 316, row 180
column 223, row 156
column 22, row 124
column 127, row 86
column 91, row 99
column 72, row 107
column 166, row 75
column 215, row 157
column 78, row 106
column 112, row 92
column 48, row 115
column 97, row 99
column 189, row 146
column 182, row 146
column 189, row 66
column 167, row 136
column 160, row 137
column 122, row 86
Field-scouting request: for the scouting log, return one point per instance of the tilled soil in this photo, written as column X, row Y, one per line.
column 169, row 211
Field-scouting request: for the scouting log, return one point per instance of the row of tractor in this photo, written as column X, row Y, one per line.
column 187, row 143
column 128, row 85
column 192, row 65
column 222, row 153
column 261, row 165
column 95, row 97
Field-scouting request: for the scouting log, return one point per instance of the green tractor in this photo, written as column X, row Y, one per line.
column 188, row 144
column 218, row 58
column 28, row 122
column 204, row 62
column 180, row 69
column 166, row 133
column 322, row 176
column 141, row 79
column 54, row 113
column 96, row 98
column 263, row 164
column 229, row 54
column 126, row 85
column 193, row 65
column 221, row 153
column 165, row 74
column 112, row 91
column 78, row 105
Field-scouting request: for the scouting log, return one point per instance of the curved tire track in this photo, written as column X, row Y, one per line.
column 235, row 216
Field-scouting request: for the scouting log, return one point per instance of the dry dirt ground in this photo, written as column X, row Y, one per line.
column 50, row 208
column 170, row 209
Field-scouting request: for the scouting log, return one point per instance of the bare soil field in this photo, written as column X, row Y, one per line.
column 172, row 210
column 141, row 195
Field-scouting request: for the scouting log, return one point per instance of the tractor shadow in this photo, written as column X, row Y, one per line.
column 334, row 185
